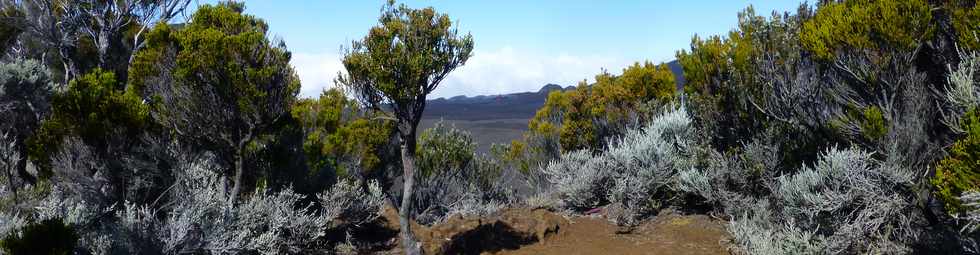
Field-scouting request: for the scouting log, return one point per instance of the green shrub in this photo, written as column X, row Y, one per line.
column 873, row 127
column 966, row 23
column 858, row 24
column 960, row 170
column 444, row 148
column 93, row 107
column 50, row 236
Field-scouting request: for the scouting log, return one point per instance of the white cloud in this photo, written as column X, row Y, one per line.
column 507, row 70
column 500, row 71
column 316, row 72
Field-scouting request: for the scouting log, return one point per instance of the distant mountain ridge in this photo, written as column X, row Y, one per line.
column 486, row 107
column 499, row 118
column 521, row 105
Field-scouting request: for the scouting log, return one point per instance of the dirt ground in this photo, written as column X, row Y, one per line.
column 538, row 231
column 670, row 234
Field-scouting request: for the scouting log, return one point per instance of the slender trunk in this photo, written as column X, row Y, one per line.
column 10, row 182
column 24, row 175
column 409, row 243
column 237, row 179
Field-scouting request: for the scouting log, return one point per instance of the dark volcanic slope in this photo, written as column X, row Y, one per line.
column 489, row 119
column 675, row 67
column 509, row 106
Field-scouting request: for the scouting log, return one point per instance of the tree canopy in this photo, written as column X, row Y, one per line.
column 218, row 81
column 401, row 60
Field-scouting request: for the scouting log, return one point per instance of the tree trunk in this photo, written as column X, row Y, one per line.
column 237, row 179
column 409, row 243
column 10, row 182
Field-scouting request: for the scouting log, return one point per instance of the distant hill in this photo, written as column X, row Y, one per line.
column 508, row 106
column 491, row 118
column 499, row 118
column 675, row 67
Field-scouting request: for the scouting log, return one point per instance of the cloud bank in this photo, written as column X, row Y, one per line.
column 316, row 72
column 500, row 71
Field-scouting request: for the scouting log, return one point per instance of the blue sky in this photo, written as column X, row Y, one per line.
column 519, row 45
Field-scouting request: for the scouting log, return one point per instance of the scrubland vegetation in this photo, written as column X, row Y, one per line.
column 841, row 127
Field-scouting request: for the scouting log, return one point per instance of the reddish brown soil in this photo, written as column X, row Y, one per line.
column 669, row 234
column 538, row 231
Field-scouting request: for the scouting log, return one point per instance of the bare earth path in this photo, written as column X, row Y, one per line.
column 538, row 231
column 670, row 234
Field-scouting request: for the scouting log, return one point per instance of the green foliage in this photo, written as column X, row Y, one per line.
column 394, row 68
column 873, row 126
column 95, row 103
column 338, row 134
column 444, row 148
column 403, row 59
column 93, row 107
column 867, row 25
column 50, row 236
column 218, row 82
column 721, row 75
column 713, row 61
column 966, row 23
column 520, row 156
column 960, row 170
column 225, row 49
column 584, row 117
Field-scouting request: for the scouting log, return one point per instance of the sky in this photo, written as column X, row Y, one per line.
column 519, row 45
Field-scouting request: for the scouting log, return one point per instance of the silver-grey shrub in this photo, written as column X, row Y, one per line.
column 454, row 180
column 971, row 218
column 636, row 173
column 459, row 191
column 580, row 179
column 756, row 232
column 349, row 204
column 961, row 92
column 195, row 216
column 847, row 202
column 267, row 222
column 646, row 162
column 25, row 92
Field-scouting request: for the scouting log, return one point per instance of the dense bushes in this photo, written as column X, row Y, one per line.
column 93, row 107
column 811, row 133
column 591, row 113
column 959, row 172
column 823, row 134
column 45, row 237
column 25, row 94
column 444, row 148
column 851, row 202
column 846, row 202
column 857, row 25
column 268, row 222
column 201, row 220
column 453, row 179
column 636, row 173
column 113, row 156
column 329, row 122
